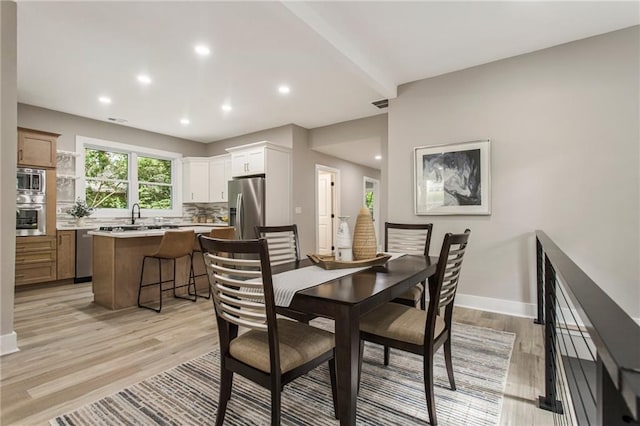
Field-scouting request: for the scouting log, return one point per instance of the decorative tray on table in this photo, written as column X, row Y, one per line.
column 330, row 262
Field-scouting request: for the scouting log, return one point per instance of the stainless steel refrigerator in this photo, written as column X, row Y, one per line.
column 246, row 205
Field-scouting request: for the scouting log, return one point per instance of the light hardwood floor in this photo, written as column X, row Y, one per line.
column 73, row 352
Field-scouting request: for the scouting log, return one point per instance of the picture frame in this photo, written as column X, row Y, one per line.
column 453, row 179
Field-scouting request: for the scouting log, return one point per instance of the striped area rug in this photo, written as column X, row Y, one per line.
column 393, row 395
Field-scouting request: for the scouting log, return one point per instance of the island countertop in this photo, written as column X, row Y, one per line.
column 152, row 232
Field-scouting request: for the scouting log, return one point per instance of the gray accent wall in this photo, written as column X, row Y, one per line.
column 8, row 158
column 565, row 159
column 69, row 126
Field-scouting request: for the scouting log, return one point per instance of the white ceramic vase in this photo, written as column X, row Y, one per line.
column 343, row 240
column 81, row 221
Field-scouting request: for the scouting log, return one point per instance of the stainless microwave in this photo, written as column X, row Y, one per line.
column 30, row 181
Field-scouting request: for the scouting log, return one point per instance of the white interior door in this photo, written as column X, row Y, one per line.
column 325, row 213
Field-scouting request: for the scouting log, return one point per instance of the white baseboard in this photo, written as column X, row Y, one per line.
column 509, row 307
column 8, row 343
column 501, row 306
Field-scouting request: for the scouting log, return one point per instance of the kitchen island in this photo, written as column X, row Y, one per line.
column 117, row 263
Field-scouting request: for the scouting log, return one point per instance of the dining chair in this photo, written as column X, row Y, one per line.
column 409, row 239
column 174, row 245
column 223, row 232
column 274, row 351
column 283, row 242
column 418, row 331
column 284, row 247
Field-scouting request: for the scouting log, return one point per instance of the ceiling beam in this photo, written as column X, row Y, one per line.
column 368, row 71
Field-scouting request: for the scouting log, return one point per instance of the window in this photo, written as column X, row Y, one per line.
column 154, row 183
column 113, row 176
column 106, row 179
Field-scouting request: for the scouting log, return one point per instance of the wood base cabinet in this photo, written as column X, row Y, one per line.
column 35, row 260
column 66, row 259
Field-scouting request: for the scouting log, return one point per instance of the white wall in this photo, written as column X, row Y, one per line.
column 565, row 146
column 8, row 152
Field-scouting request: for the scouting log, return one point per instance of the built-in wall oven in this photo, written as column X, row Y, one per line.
column 31, row 212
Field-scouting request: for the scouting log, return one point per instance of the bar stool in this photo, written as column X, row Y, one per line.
column 223, row 233
column 174, row 245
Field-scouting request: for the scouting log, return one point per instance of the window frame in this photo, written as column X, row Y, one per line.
column 133, row 152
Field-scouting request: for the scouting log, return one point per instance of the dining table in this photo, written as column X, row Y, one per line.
column 345, row 300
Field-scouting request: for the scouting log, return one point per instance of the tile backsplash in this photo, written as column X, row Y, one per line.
column 204, row 212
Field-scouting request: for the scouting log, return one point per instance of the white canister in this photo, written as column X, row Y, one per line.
column 343, row 241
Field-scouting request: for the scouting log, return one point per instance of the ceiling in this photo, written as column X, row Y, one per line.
column 336, row 57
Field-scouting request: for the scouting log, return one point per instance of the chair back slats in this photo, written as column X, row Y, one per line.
column 237, row 286
column 253, row 310
column 407, row 238
column 282, row 242
column 282, row 247
column 450, row 265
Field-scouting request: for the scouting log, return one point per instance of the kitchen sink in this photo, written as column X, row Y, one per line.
column 124, row 228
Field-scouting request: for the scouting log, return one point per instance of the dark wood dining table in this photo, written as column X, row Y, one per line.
column 345, row 300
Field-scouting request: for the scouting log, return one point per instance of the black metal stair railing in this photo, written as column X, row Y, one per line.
column 592, row 347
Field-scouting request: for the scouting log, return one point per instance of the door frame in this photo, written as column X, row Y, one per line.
column 376, row 205
column 335, row 200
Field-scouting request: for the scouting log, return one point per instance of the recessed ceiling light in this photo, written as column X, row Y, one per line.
column 184, row 121
column 202, row 50
column 105, row 99
column 285, row 90
column 144, row 79
column 378, row 157
column 226, row 107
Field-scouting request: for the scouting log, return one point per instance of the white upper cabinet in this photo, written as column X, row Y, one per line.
column 205, row 179
column 219, row 175
column 249, row 161
column 195, row 180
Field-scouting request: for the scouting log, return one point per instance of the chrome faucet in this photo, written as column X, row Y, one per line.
column 133, row 209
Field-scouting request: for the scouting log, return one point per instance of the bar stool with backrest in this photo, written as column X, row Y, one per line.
column 174, row 245
column 276, row 350
column 419, row 332
column 284, row 247
column 223, row 232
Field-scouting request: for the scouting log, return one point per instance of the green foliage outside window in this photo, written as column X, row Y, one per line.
column 154, row 177
column 107, row 180
column 368, row 199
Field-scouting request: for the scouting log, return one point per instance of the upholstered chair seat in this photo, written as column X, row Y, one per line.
column 299, row 344
column 399, row 322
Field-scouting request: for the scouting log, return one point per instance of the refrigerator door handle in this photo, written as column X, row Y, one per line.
column 239, row 216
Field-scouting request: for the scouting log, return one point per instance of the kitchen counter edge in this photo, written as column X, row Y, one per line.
column 149, row 232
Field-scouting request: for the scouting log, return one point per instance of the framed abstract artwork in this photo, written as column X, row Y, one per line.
column 453, row 179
